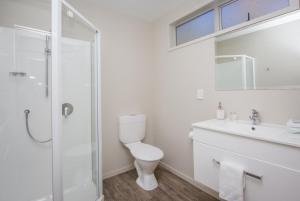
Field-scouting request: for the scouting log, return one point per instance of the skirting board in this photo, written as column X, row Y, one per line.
column 118, row 171
column 190, row 180
column 101, row 198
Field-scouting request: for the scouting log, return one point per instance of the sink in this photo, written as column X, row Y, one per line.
column 266, row 132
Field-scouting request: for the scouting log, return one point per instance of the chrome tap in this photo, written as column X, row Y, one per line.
column 255, row 117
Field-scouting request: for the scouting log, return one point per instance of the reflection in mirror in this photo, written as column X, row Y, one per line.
column 235, row 72
column 263, row 56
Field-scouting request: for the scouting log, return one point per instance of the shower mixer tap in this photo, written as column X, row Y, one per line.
column 67, row 109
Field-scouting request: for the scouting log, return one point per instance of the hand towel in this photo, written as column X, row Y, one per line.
column 293, row 124
column 231, row 182
column 296, row 121
column 294, row 130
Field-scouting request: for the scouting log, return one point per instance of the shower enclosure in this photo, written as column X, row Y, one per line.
column 50, row 114
column 235, row 72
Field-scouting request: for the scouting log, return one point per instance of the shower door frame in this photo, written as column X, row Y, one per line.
column 56, row 98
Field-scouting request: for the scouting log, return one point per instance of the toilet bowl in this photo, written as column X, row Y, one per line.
column 147, row 158
column 132, row 130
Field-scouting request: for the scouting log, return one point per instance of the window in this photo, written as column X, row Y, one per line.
column 223, row 14
column 238, row 11
column 197, row 27
column 234, row 13
column 259, row 8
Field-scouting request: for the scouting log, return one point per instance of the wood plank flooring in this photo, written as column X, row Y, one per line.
column 171, row 188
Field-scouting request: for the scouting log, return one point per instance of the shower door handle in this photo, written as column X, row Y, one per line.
column 67, row 109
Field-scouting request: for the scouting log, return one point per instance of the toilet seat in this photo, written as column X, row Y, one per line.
column 145, row 152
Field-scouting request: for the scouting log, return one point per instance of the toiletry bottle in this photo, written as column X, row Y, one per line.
column 220, row 112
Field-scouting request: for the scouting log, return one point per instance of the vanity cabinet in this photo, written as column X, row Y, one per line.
column 278, row 164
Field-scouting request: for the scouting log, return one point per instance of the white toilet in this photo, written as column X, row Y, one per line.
column 132, row 129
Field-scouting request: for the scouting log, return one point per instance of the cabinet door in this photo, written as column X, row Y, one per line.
column 278, row 183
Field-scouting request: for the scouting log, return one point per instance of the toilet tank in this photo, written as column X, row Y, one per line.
column 132, row 128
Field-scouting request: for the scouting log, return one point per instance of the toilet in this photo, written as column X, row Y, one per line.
column 132, row 129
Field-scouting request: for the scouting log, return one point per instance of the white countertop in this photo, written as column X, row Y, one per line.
column 266, row 132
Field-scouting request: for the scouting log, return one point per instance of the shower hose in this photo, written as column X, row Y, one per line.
column 28, row 130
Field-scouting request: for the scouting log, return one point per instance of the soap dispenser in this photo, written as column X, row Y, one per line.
column 220, row 112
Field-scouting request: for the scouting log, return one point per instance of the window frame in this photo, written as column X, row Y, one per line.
column 216, row 6
column 222, row 5
column 188, row 17
column 191, row 19
column 293, row 5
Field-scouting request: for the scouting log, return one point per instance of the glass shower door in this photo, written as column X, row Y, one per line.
column 79, row 110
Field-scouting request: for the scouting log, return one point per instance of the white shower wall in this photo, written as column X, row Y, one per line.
column 26, row 167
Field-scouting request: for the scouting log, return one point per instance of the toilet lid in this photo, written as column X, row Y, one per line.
column 145, row 152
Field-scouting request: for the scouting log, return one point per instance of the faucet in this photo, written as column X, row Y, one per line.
column 255, row 117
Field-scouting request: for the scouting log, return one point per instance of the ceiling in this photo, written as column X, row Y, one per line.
column 148, row 10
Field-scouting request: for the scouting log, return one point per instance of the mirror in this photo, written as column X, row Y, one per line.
column 263, row 56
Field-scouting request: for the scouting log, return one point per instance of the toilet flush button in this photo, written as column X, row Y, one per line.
column 200, row 94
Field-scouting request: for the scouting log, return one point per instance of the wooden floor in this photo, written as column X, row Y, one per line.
column 171, row 188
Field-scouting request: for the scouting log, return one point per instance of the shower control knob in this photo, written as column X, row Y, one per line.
column 67, row 109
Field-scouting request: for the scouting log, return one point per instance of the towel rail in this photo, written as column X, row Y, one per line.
column 245, row 172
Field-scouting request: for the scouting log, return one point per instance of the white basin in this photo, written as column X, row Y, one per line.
column 266, row 132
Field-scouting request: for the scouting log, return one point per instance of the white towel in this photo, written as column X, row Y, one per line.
column 296, row 121
column 293, row 123
column 231, row 182
column 294, row 130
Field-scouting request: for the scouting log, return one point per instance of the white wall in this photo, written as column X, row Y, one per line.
column 127, row 77
column 31, row 13
column 179, row 73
